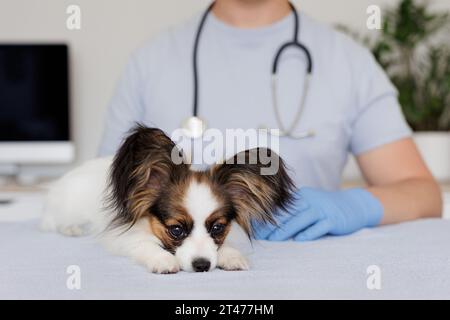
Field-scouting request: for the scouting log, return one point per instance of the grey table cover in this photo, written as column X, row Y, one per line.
column 413, row 260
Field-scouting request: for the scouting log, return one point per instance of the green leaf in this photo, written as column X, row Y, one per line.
column 422, row 80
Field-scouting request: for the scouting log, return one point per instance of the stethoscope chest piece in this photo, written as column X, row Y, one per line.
column 194, row 127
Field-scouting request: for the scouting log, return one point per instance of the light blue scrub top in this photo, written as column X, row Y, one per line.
column 351, row 105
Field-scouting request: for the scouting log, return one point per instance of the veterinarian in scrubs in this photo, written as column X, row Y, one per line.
column 351, row 106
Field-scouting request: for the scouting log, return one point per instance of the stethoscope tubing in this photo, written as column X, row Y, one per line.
column 195, row 59
column 294, row 43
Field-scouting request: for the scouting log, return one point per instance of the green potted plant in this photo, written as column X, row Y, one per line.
column 414, row 49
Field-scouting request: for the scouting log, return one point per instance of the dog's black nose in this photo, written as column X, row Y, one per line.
column 201, row 265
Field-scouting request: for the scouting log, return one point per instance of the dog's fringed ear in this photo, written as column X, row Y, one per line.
column 147, row 159
column 257, row 183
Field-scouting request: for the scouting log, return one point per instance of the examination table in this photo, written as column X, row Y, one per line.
column 410, row 260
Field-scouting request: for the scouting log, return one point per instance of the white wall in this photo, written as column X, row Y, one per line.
column 111, row 29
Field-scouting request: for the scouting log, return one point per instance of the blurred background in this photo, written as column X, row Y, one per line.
column 112, row 29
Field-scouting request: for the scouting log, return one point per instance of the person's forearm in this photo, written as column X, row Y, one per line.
column 409, row 199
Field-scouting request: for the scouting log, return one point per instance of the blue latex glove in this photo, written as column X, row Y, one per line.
column 316, row 213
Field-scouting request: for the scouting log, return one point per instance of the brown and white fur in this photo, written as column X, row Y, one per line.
column 163, row 215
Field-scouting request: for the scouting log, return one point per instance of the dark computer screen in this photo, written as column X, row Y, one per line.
column 34, row 97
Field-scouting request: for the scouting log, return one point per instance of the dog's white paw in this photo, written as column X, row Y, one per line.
column 163, row 263
column 71, row 231
column 231, row 259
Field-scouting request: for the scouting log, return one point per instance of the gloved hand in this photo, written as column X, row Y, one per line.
column 316, row 213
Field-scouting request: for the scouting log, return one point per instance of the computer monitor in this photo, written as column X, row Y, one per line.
column 34, row 104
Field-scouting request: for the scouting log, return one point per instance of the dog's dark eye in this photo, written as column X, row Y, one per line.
column 176, row 232
column 217, row 229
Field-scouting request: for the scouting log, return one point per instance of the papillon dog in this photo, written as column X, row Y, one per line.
column 162, row 213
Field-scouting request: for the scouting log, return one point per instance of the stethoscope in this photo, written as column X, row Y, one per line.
column 194, row 126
